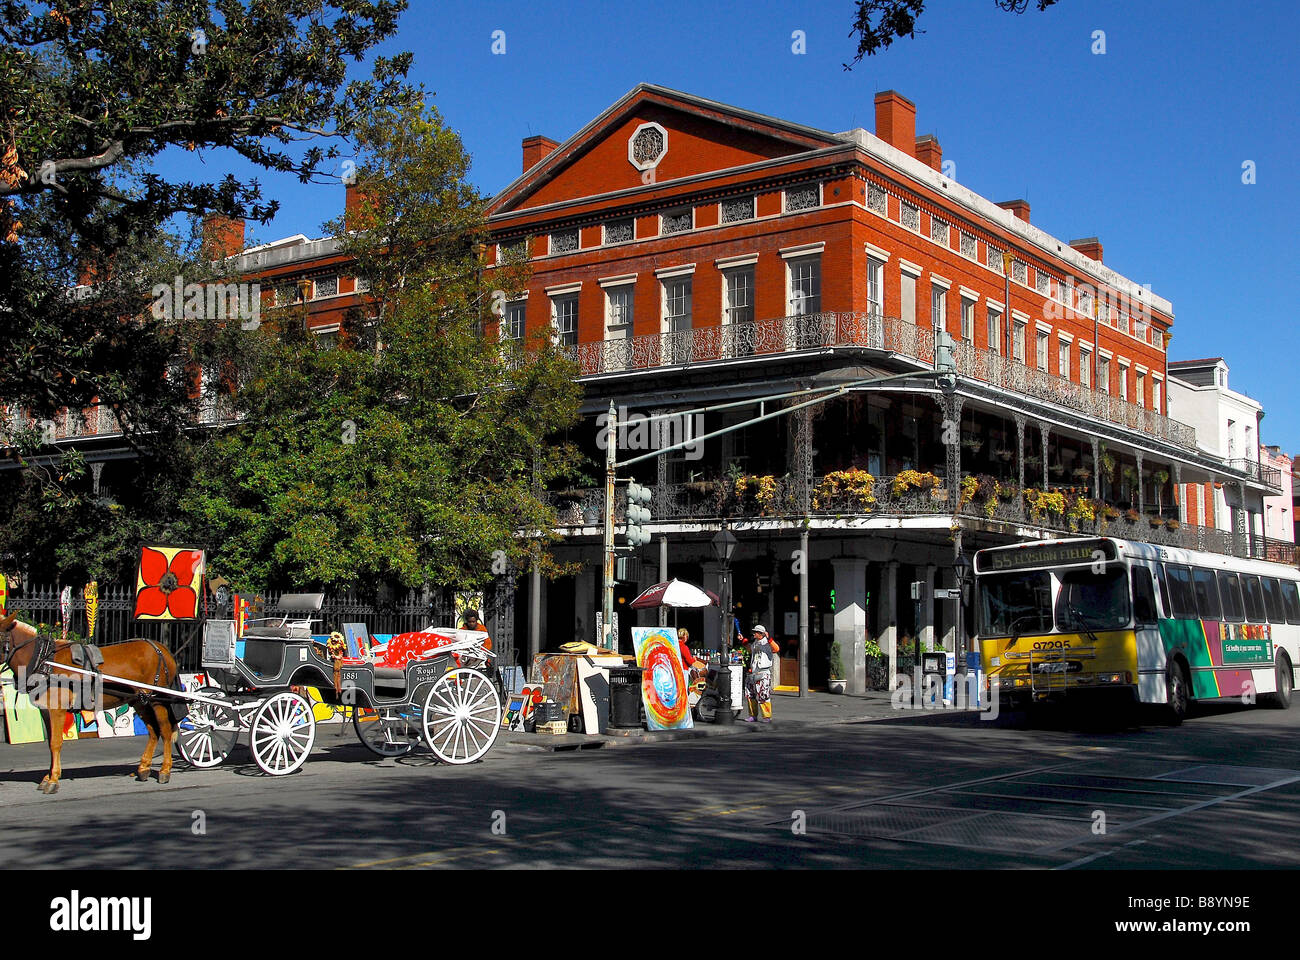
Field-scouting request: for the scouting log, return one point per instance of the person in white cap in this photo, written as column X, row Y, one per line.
column 758, row 681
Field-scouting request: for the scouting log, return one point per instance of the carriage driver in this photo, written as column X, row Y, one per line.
column 472, row 622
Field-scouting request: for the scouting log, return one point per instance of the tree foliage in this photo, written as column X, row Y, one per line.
column 415, row 450
column 878, row 23
column 92, row 92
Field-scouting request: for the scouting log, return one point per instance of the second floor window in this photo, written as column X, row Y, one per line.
column 618, row 315
column 1043, row 346
column 566, row 319
column 1018, row 341
column 512, row 327
column 805, row 286
column 938, row 307
column 740, row 295
column 1085, row 367
column 677, row 305
column 875, row 288
column 1103, row 374
column 995, row 331
column 1063, row 359
column 967, row 320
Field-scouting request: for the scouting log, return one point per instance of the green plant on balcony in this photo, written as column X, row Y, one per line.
column 913, row 480
column 1080, row 511
column 756, row 492
column 1173, row 524
column 1132, row 516
column 854, row 486
column 1044, row 502
column 1107, row 464
column 969, row 485
column 1082, row 474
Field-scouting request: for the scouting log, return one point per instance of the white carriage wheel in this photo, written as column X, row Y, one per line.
column 462, row 716
column 208, row 733
column 283, row 732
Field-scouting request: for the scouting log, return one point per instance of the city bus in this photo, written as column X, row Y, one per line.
column 1096, row 619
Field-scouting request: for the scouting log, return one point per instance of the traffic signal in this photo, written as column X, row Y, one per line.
column 945, row 362
column 637, row 514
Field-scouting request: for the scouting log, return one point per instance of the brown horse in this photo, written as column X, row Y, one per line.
column 140, row 661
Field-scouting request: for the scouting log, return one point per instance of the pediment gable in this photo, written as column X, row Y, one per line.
column 654, row 135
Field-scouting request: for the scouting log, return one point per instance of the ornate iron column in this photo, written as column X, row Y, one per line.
column 1141, row 507
column 1096, row 468
column 1042, row 436
column 1180, row 493
column 1020, row 462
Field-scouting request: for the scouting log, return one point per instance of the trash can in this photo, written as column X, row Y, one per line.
column 625, row 696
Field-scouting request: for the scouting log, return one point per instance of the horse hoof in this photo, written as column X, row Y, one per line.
column 48, row 787
column 142, row 776
column 164, row 778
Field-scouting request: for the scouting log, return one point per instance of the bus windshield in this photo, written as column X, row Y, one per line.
column 1015, row 603
column 1093, row 601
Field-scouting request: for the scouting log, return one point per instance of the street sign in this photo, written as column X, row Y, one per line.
column 948, row 593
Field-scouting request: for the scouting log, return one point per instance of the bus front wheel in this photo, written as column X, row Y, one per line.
column 1176, row 693
column 1282, row 699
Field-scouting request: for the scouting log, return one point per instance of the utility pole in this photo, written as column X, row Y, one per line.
column 609, row 641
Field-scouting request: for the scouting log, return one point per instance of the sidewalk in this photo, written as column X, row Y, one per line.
column 789, row 712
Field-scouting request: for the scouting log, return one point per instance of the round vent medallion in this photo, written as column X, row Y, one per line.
column 647, row 146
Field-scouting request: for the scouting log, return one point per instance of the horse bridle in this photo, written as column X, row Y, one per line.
column 10, row 648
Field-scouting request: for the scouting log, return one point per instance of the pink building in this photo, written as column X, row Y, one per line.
column 1279, row 510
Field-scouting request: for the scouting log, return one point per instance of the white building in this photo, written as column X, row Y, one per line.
column 1227, row 427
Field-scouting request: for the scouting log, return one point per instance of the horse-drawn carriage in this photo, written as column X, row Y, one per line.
column 433, row 685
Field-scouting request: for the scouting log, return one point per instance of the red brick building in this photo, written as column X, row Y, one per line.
column 696, row 255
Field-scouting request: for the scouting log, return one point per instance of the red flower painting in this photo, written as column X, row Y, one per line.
column 169, row 582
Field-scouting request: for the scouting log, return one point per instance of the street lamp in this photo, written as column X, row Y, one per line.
column 724, row 546
column 961, row 569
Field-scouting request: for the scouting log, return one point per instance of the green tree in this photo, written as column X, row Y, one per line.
column 91, row 94
column 414, row 451
column 878, row 23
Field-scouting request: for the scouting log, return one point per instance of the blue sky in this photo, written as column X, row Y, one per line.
column 1141, row 146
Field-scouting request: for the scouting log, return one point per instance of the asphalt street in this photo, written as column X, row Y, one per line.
column 912, row 790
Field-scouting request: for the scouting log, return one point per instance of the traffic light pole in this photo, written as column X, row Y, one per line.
column 608, row 640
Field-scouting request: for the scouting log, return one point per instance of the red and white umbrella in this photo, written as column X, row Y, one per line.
column 675, row 593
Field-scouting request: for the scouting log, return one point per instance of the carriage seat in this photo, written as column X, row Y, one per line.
column 282, row 625
column 390, row 680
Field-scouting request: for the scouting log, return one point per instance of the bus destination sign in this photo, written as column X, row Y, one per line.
column 1044, row 555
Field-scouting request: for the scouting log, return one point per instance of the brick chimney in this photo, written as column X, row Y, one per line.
column 1089, row 247
column 929, row 152
column 223, row 236
column 896, row 121
column 353, row 206
column 537, row 149
column 1021, row 209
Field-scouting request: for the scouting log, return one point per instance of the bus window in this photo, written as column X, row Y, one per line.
column 1230, row 591
column 1144, row 603
column 1273, row 600
column 1182, row 597
column 1207, row 594
column 1254, row 595
column 1090, row 601
column 1291, row 600
column 1015, row 603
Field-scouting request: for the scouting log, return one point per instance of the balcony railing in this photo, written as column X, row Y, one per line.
column 885, row 334
column 100, row 421
column 712, row 501
column 1262, row 473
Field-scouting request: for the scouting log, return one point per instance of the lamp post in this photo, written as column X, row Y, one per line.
column 724, row 546
column 961, row 573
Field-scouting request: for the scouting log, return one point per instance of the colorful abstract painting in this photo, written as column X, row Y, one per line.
column 23, row 723
column 168, row 583
column 663, row 682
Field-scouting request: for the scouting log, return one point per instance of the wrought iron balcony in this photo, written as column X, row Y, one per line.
column 782, row 503
column 889, row 335
column 1263, row 474
column 101, row 421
